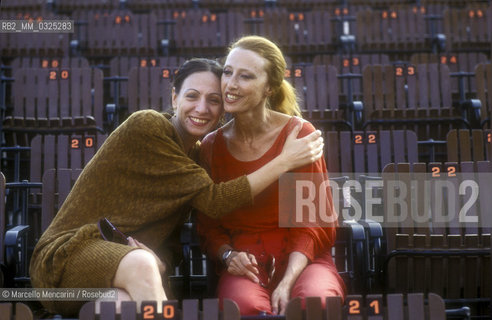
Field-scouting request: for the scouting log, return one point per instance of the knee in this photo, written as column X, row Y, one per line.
column 251, row 306
column 141, row 261
column 317, row 289
column 138, row 265
column 250, row 300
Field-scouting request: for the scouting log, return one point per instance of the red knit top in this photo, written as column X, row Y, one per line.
column 263, row 215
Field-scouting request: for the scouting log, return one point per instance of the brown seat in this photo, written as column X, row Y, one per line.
column 22, row 4
column 48, row 63
column 368, row 152
column 54, row 101
column 465, row 145
column 351, row 63
column 317, row 87
column 350, row 67
column 2, row 216
column 375, row 306
column 461, row 66
column 483, row 77
column 22, row 311
column 400, row 30
column 190, row 309
column 308, row 32
column 439, row 241
column 116, row 32
column 61, row 151
column 271, row 23
column 358, row 158
column 119, row 69
column 39, row 44
column 57, row 184
column 57, row 152
column 193, row 30
column 393, row 307
column 146, row 5
column 412, row 97
column 467, row 28
column 150, row 88
column 71, row 5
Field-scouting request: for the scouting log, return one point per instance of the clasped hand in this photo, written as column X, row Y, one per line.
column 245, row 264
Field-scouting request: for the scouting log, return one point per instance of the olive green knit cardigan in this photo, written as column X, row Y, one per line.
column 142, row 180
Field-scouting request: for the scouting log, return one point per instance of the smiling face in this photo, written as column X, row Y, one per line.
column 198, row 105
column 244, row 81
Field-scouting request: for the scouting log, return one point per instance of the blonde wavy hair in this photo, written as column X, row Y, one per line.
column 283, row 98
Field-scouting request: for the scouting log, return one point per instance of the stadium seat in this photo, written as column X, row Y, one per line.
column 71, row 5
column 360, row 157
column 412, row 97
column 465, row 145
column 462, row 70
column 483, row 77
column 400, row 31
column 104, row 33
column 350, row 67
column 48, row 62
column 119, row 69
column 351, row 63
column 15, row 44
column 368, row 152
column 150, row 88
column 188, row 26
column 16, row 240
column 45, row 63
column 148, row 5
column 21, row 311
column 196, row 30
column 22, row 4
column 297, row 33
column 438, row 240
column 2, row 220
column 231, row 27
column 467, row 28
column 308, row 32
column 57, row 184
column 391, row 307
column 19, row 239
column 62, row 151
column 317, row 88
column 54, row 101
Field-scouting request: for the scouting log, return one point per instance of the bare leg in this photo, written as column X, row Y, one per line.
column 138, row 275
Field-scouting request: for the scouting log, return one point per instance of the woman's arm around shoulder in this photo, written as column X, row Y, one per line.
column 295, row 153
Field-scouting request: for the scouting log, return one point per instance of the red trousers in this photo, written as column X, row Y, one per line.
column 319, row 279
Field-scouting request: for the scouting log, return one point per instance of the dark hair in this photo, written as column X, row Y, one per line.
column 193, row 66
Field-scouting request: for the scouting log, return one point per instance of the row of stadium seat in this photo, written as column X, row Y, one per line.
column 369, row 258
column 200, row 31
column 353, row 154
column 402, row 96
column 362, row 152
column 391, row 307
column 140, row 5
